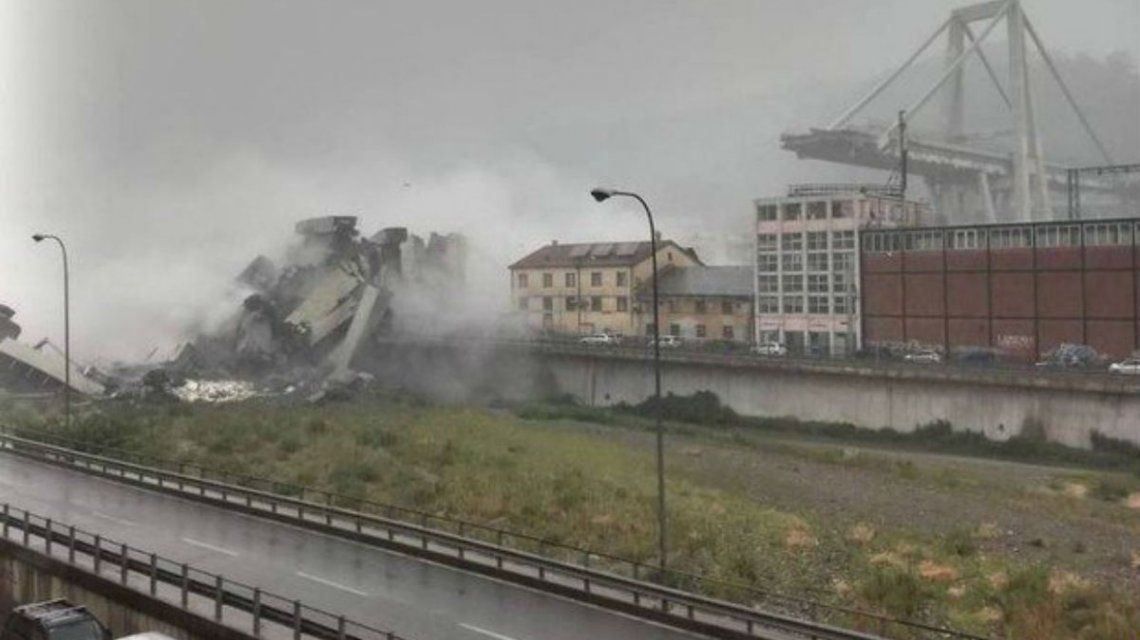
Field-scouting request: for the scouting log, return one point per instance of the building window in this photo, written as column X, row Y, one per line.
column 817, row 241
column 649, row 329
column 839, row 282
column 727, row 333
column 840, row 305
column 792, row 241
column 793, row 283
column 522, row 304
column 817, row 261
column 843, row 240
column 767, row 262
column 923, row 241
column 817, row 211
column 621, row 278
column 818, row 304
column 881, row 242
column 547, row 280
column 571, row 303
column 767, row 283
column 547, row 303
column 766, row 242
column 726, row 307
column 700, row 330
column 701, row 306
column 595, row 278
column 622, row 303
column 767, row 304
column 1010, row 238
column 965, row 239
column 522, row 281
column 571, row 280
column 671, row 305
column 793, row 261
column 1059, row 236
column 842, row 209
column 792, row 211
column 766, row 211
column 595, row 303
column 675, row 330
column 1113, row 233
column 817, row 283
column 793, row 304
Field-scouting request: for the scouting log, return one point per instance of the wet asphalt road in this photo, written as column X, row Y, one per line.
column 416, row 599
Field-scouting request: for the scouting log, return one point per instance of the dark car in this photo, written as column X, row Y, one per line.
column 53, row 620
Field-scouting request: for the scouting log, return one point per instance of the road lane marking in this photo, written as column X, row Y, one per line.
column 106, row 516
column 497, row 636
column 206, row 545
column 330, row 583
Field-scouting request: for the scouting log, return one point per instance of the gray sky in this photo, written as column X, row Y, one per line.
column 169, row 142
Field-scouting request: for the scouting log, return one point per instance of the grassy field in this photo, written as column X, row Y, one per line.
column 897, row 532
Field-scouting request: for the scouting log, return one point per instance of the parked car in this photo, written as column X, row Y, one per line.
column 1130, row 366
column 667, row 342
column 924, row 356
column 600, row 339
column 770, row 349
column 53, row 620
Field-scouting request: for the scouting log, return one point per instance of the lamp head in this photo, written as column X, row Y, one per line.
column 39, row 237
column 601, row 195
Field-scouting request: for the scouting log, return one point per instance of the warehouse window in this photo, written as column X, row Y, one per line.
column 571, row 303
column 766, row 242
column 726, row 307
column 817, row 261
column 793, row 304
column 843, row 240
column 726, row 332
column 596, row 303
column 1068, row 235
column 924, row 240
column 1108, row 233
column 792, row 211
column 793, row 283
column 817, row 241
column 1010, row 238
column 792, row 261
column 622, row 303
column 547, row 303
column 523, row 281
column 839, row 282
column 622, row 277
column 844, row 261
column 842, row 209
column 675, row 330
column 882, row 242
column 966, row 239
column 840, row 305
column 767, row 304
column 700, row 330
column 817, row 283
column 817, row 211
column 767, row 262
column 767, row 283
column 547, row 280
column 766, row 211
column 571, row 279
column 595, row 278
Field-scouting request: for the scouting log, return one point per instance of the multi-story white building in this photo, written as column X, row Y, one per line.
column 807, row 266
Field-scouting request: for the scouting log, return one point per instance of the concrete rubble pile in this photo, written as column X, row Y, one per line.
column 37, row 369
column 307, row 318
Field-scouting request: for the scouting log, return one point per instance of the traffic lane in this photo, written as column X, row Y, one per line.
column 369, row 585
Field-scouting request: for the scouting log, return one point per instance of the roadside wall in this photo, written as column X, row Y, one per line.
column 1065, row 413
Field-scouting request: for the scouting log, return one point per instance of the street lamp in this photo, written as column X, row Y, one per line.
column 40, row 237
column 602, row 195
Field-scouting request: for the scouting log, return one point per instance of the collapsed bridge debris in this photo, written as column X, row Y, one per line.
column 36, row 369
column 306, row 318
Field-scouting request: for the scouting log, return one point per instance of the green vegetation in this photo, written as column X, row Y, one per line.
column 589, row 487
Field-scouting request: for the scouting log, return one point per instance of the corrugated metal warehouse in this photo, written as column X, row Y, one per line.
column 1019, row 288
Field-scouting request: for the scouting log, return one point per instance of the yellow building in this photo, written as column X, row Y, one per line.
column 590, row 288
column 705, row 303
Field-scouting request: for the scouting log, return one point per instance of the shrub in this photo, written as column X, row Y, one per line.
column 895, row 590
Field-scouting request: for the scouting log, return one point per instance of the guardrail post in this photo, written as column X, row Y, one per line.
column 296, row 620
column 257, row 611
column 5, row 520
column 47, row 536
column 27, row 527
column 153, row 573
column 185, row 585
column 98, row 552
column 219, row 597
column 340, row 628
column 124, row 562
column 71, row 544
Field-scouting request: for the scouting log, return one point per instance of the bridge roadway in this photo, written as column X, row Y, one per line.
column 416, row 599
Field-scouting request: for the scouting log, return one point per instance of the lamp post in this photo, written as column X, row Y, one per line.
column 602, row 195
column 40, row 237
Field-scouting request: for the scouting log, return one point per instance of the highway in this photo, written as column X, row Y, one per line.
column 414, row 598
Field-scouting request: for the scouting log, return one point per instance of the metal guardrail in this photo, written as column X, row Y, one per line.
column 246, row 608
column 598, row 585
